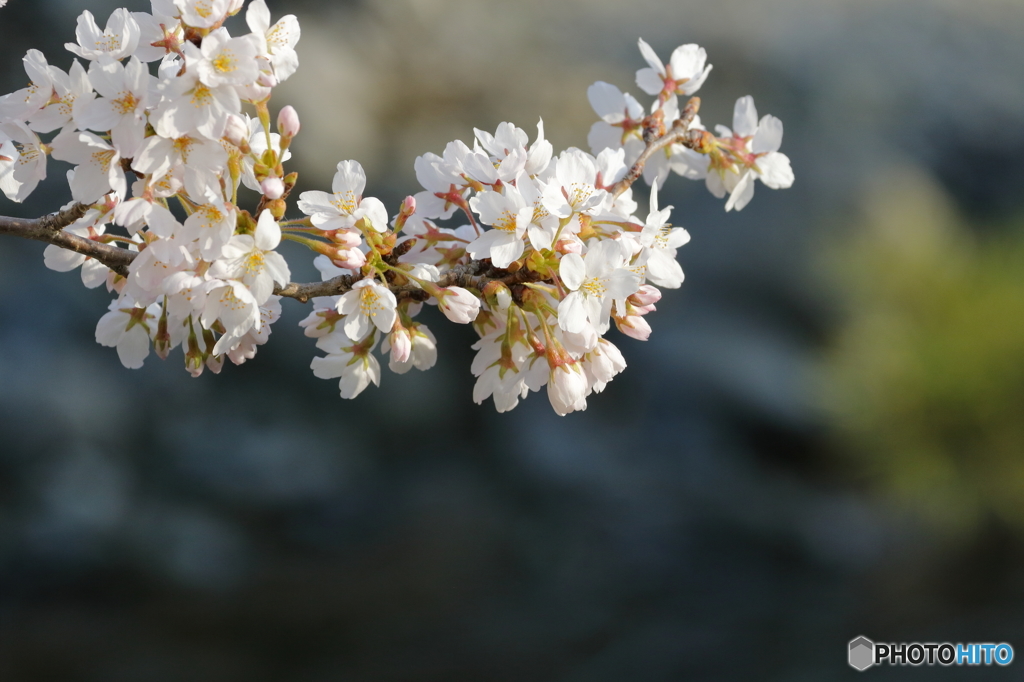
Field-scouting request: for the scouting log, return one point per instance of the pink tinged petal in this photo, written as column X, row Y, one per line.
column 572, row 271
column 742, row 193
column 268, row 232
column 744, row 117
column 607, row 101
column 768, row 137
column 775, row 170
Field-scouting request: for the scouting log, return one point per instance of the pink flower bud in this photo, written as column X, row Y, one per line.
column 458, row 305
column 347, row 238
column 634, row 326
column 272, row 188
column 236, row 131
column 569, row 246
column 401, row 344
column 288, row 122
column 645, row 295
column 351, row 259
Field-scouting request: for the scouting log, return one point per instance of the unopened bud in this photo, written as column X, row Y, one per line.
column 351, row 259
column 272, row 188
column 237, row 133
column 645, row 295
column 497, row 295
column 347, row 238
column 565, row 246
column 288, row 123
column 401, row 343
column 277, row 207
column 407, row 209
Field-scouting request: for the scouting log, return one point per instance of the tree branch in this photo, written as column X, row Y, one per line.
column 50, row 229
column 680, row 133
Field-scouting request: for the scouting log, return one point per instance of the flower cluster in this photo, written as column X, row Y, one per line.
column 541, row 252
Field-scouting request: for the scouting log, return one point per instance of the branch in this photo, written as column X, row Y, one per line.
column 50, row 229
column 680, row 133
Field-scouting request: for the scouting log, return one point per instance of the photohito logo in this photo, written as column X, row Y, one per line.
column 863, row 653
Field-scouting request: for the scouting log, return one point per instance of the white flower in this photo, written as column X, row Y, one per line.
column 203, row 13
column 620, row 126
column 99, row 165
column 252, row 259
column 122, row 107
column 685, row 73
column 567, row 388
column 367, row 305
column 573, row 189
column 20, row 104
column 223, row 60
column 20, row 177
column 129, row 328
column 509, row 214
column 595, row 282
column 346, row 206
column 276, row 42
column 756, row 144
column 231, row 303
column 117, row 41
column 602, row 364
column 191, row 107
column 71, row 92
column 200, row 162
column 212, row 225
column 160, row 32
column 354, row 363
column 660, row 243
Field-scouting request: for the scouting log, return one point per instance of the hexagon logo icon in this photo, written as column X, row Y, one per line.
column 862, row 653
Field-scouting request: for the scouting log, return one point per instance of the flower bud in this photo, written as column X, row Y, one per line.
column 401, row 344
column 272, row 188
column 351, row 259
column 288, row 124
column 569, row 246
column 408, row 208
column 458, row 305
column 645, row 295
column 634, row 326
column 497, row 295
column 347, row 238
column 237, row 133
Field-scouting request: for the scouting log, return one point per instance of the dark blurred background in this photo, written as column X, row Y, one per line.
column 823, row 438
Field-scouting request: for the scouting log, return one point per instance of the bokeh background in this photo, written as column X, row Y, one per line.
column 823, row 438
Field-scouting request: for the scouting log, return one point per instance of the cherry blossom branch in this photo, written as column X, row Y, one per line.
column 50, row 229
column 680, row 133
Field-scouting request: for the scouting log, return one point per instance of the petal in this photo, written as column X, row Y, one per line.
column 768, row 137
column 268, row 232
column 744, row 117
column 572, row 270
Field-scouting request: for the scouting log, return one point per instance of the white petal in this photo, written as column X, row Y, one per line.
column 572, row 270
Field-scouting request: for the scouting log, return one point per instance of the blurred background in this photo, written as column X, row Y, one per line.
column 823, row 438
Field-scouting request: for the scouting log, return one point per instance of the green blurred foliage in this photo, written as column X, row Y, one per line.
column 925, row 380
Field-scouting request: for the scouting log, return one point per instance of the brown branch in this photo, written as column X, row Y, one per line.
column 50, row 229
column 680, row 133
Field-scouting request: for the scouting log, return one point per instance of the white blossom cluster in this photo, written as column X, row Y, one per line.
column 542, row 253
